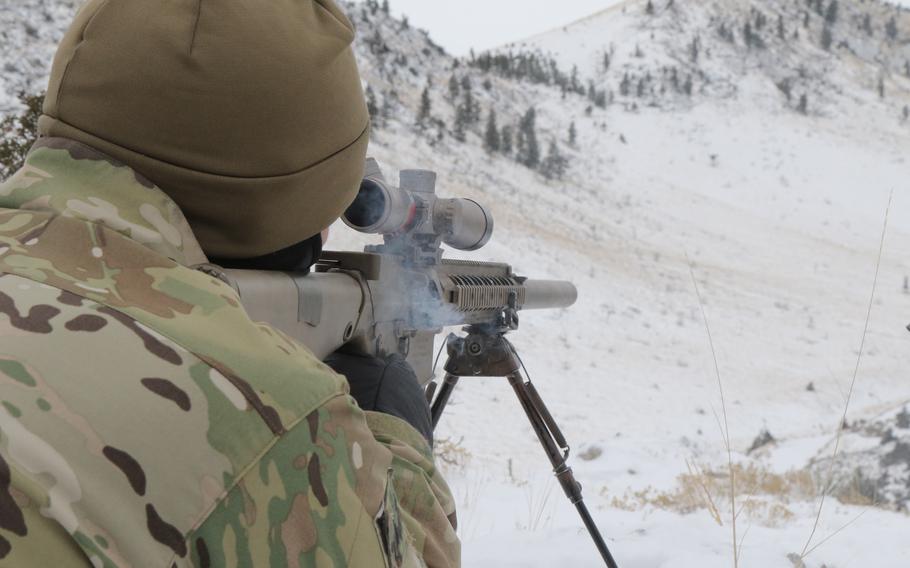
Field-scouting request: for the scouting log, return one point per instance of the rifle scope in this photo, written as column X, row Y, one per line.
column 414, row 209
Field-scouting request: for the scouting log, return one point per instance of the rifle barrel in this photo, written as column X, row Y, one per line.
column 548, row 294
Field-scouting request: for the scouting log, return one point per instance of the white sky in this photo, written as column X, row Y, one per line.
column 460, row 25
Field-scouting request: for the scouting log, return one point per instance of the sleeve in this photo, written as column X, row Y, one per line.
column 426, row 501
column 339, row 488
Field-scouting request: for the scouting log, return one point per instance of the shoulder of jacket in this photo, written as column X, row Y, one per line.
column 193, row 309
column 137, row 381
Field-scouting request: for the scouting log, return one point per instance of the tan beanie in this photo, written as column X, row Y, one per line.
column 248, row 113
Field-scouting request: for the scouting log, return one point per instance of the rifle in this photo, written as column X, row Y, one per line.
column 396, row 297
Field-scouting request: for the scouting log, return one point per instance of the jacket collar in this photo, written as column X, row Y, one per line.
column 71, row 179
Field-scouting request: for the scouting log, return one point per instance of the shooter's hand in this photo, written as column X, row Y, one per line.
column 386, row 385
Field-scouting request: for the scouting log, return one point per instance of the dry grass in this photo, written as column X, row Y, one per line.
column 539, row 508
column 451, row 453
column 725, row 427
column 763, row 496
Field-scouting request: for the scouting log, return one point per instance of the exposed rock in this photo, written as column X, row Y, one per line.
column 873, row 466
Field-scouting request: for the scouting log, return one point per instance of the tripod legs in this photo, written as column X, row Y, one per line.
column 556, row 449
column 550, row 437
column 445, row 391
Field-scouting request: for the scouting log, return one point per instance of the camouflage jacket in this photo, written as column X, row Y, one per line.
column 146, row 421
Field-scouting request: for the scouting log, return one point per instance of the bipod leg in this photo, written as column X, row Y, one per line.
column 445, row 392
column 557, row 451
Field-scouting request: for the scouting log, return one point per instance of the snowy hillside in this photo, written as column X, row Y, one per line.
column 778, row 205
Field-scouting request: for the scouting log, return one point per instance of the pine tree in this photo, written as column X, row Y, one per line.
column 555, row 164
column 470, row 108
column 891, row 29
column 827, row 38
column 573, row 135
column 459, row 130
column 786, row 88
column 528, row 147
column 386, row 111
column 694, row 50
column 574, row 83
column 906, row 113
column 454, row 88
column 492, row 141
column 831, row 14
column 506, row 140
column 781, row 30
column 803, row 106
column 867, row 24
column 881, row 87
column 424, row 115
column 373, row 107
column 625, row 84
column 747, row 35
column 385, row 6
column 18, row 133
column 649, row 9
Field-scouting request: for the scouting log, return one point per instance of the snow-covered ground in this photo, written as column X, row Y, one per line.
column 780, row 216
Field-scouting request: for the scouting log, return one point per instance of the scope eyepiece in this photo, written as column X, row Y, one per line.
column 379, row 209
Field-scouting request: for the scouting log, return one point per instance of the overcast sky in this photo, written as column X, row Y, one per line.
column 459, row 25
column 462, row 24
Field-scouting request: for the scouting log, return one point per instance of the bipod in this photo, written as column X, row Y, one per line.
column 486, row 352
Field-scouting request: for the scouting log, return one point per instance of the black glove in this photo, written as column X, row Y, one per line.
column 385, row 385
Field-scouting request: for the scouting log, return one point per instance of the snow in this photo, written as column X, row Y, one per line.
column 780, row 215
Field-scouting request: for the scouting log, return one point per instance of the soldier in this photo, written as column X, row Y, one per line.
column 144, row 419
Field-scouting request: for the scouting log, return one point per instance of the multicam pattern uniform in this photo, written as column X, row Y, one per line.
column 146, row 421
